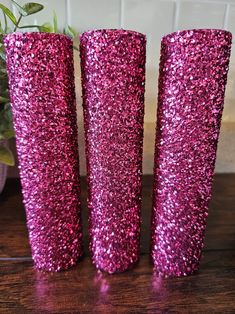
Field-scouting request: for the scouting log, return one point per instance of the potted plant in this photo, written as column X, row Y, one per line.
column 6, row 126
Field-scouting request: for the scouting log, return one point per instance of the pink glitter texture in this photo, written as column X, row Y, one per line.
column 193, row 75
column 41, row 81
column 113, row 76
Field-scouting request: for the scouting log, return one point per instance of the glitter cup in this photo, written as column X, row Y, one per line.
column 193, row 75
column 113, row 76
column 41, row 82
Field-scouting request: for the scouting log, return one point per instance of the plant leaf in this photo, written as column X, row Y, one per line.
column 46, row 27
column 30, row 26
column 70, row 32
column 3, row 71
column 75, row 48
column 5, row 118
column 6, row 156
column 2, row 55
column 55, row 22
column 8, row 13
column 32, row 7
column 7, row 134
column 19, row 8
column 4, row 100
column 5, row 21
column 1, row 29
column 8, row 114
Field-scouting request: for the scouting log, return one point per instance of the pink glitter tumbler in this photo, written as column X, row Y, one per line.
column 193, row 75
column 41, row 82
column 113, row 77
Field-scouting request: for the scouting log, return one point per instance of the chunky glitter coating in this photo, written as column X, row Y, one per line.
column 193, row 75
column 41, row 81
column 113, row 76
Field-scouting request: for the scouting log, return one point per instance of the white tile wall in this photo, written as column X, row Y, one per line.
column 84, row 15
column 230, row 23
column 154, row 18
column 200, row 14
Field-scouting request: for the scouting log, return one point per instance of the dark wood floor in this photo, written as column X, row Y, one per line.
column 84, row 290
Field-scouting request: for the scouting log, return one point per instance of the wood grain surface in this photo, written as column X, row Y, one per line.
column 83, row 289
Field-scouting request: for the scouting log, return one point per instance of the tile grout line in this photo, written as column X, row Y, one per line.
column 121, row 10
column 176, row 15
column 226, row 14
column 67, row 6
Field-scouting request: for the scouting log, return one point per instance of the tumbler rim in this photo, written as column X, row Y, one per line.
column 97, row 30
column 15, row 34
column 200, row 30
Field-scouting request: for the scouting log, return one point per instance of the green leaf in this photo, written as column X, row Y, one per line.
column 46, row 27
column 8, row 13
column 4, row 85
column 5, row 21
column 5, row 118
column 3, row 71
column 2, row 55
column 8, row 113
column 32, row 8
column 55, row 23
column 4, row 100
column 7, row 134
column 70, row 32
column 75, row 48
column 6, row 156
column 19, row 8
column 1, row 29
column 30, row 26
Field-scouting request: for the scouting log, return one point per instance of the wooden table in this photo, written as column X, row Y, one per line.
column 82, row 289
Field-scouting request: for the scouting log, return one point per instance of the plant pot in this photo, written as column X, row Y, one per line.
column 113, row 77
column 41, row 82
column 193, row 75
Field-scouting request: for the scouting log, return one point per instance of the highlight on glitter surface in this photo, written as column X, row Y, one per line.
column 41, row 82
column 193, row 75
column 113, row 77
